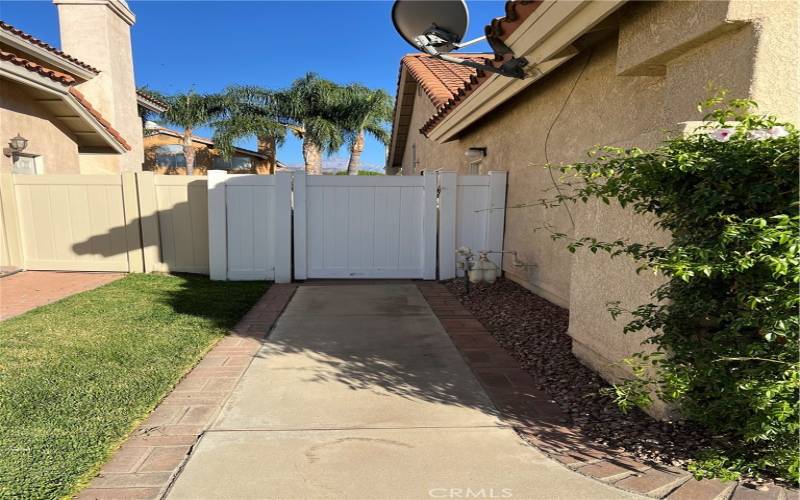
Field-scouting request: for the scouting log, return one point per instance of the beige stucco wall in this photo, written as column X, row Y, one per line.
column 751, row 50
column 20, row 113
column 647, row 78
column 515, row 135
column 99, row 35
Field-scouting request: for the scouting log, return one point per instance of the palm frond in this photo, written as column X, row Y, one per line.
column 192, row 110
column 366, row 110
column 250, row 111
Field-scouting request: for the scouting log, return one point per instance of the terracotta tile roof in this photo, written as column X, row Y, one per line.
column 516, row 12
column 152, row 99
column 499, row 29
column 105, row 123
column 443, row 81
column 54, row 75
column 68, row 81
column 30, row 38
column 459, row 91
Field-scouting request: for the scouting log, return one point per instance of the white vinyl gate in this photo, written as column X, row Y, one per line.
column 472, row 214
column 294, row 225
column 365, row 227
column 249, row 226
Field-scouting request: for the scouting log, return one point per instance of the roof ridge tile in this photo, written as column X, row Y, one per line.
column 40, row 43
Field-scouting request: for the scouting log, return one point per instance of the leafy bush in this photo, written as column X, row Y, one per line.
column 725, row 323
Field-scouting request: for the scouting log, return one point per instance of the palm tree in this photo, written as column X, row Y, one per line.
column 369, row 111
column 252, row 111
column 190, row 111
column 314, row 106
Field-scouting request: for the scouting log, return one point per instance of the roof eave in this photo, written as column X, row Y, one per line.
column 545, row 39
column 39, row 82
column 51, row 59
column 149, row 104
column 396, row 149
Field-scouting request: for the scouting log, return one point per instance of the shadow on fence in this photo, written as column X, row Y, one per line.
column 168, row 235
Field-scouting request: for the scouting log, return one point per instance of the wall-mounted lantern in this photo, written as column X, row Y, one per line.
column 16, row 145
column 475, row 157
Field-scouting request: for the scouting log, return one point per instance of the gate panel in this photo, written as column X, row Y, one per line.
column 251, row 227
column 472, row 202
column 364, row 227
column 472, row 214
column 74, row 223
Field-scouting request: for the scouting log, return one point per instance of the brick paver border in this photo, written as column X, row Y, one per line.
column 146, row 464
column 20, row 292
column 543, row 424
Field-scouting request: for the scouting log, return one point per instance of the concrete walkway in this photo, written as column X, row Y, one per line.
column 359, row 394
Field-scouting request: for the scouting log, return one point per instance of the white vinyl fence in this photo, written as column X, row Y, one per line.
column 472, row 214
column 251, row 227
column 365, row 227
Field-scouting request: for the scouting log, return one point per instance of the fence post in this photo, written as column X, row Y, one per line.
column 217, row 226
column 283, row 227
column 497, row 215
column 429, row 225
column 9, row 222
column 448, row 192
column 299, row 236
column 148, row 220
column 133, row 235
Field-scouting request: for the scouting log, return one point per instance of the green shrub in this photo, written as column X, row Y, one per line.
column 725, row 323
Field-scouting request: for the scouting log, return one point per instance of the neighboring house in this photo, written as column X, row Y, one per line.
column 601, row 72
column 164, row 155
column 76, row 108
column 148, row 105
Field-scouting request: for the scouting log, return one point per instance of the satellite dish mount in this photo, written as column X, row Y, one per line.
column 436, row 37
column 436, row 27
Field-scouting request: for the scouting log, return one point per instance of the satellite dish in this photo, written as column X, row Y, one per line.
column 446, row 20
column 438, row 26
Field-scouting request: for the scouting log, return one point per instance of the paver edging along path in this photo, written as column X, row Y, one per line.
column 23, row 291
column 541, row 422
column 146, row 464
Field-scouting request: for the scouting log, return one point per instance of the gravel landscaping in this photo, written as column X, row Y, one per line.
column 534, row 331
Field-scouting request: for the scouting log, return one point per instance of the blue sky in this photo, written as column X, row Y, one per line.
column 209, row 45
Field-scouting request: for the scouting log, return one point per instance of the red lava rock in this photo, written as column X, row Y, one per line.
column 534, row 332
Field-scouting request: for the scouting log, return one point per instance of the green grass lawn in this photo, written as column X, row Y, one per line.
column 76, row 376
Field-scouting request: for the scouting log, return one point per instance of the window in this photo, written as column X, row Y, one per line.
column 235, row 163
column 170, row 156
